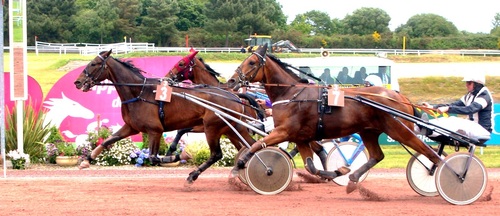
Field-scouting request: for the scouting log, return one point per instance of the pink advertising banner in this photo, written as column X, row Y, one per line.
column 35, row 94
column 75, row 112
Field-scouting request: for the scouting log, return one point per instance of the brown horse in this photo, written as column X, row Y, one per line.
column 196, row 70
column 297, row 116
column 142, row 113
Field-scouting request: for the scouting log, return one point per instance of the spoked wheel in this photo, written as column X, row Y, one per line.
column 241, row 174
column 459, row 191
column 418, row 176
column 335, row 161
column 269, row 171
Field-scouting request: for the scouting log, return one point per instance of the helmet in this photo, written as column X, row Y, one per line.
column 474, row 77
column 373, row 80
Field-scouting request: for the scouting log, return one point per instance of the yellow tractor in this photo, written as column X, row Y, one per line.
column 254, row 41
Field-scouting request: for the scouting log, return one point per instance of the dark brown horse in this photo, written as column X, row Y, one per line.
column 196, row 70
column 296, row 116
column 142, row 113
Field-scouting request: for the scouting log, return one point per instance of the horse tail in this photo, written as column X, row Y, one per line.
column 254, row 105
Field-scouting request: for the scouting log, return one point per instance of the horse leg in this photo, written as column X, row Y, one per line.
column 306, row 153
column 173, row 147
column 320, row 151
column 154, row 146
column 370, row 140
column 213, row 141
column 124, row 131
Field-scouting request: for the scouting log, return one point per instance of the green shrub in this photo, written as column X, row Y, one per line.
column 201, row 156
column 34, row 133
column 54, row 135
column 163, row 144
column 201, row 153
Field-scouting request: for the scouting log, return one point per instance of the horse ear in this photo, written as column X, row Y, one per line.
column 262, row 50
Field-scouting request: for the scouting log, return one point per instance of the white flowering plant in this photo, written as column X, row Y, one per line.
column 18, row 159
column 119, row 154
column 228, row 153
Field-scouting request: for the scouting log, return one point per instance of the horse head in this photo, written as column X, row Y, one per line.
column 183, row 69
column 94, row 72
column 250, row 69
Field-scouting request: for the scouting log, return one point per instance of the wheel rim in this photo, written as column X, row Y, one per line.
column 451, row 188
column 271, row 174
column 335, row 161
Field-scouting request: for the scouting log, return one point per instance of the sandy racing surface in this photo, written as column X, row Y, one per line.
column 162, row 191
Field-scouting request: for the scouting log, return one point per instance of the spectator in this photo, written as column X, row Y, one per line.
column 383, row 75
column 327, row 77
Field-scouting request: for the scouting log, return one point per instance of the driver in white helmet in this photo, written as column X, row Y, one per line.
column 477, row 104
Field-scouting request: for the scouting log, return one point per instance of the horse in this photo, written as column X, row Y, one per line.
column 142, row 113
column 300, row 118
column 196, row 70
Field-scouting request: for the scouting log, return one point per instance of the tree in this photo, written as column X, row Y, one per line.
column 50, row 20
column 104, row 21
column 300, row 24
column 496, row 21
column 428, row 25
column 364, row 21
column 496, row 26
column 318, row 22
column 158, row 25
column 127, row 24
column 190, row 15
column 257, row 16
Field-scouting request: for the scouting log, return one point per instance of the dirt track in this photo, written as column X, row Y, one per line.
column 161, row 191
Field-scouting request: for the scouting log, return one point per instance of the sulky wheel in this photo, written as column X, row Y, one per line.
column 241, row 175
column 335, row 160
column 452, row 187
column 269, row 171
column 418, row 176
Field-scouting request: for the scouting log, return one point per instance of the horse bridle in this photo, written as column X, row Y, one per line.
column 242, row 77
column 101, row 70
column 186, row 72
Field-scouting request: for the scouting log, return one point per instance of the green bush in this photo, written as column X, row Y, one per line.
column 201, row 156
column 163, row 144
column 201, row 153
column 34, row 133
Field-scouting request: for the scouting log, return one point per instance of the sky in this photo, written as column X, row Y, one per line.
column 472, row 16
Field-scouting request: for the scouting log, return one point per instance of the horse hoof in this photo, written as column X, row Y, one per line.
column 351, row 186
column 235, row 172
column 344, row 170
column 84, row 164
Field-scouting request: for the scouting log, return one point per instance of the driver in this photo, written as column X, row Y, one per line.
column 477, row 104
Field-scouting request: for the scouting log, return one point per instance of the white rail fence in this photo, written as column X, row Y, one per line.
column 93, row 49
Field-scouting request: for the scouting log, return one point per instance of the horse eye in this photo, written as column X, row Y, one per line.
column 252, row 63
column 93, row 64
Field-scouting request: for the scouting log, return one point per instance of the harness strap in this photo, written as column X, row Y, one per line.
column 161, row 114
column 130, row 100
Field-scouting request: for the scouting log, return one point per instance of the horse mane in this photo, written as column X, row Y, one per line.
column 128, row 64
column 285, row 66
column 210, row 69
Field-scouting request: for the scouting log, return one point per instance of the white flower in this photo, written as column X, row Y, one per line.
column 15, row 155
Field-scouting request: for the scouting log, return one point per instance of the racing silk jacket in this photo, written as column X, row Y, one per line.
column 479, row 107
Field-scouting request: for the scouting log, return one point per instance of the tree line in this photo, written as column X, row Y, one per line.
column 226, row 23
